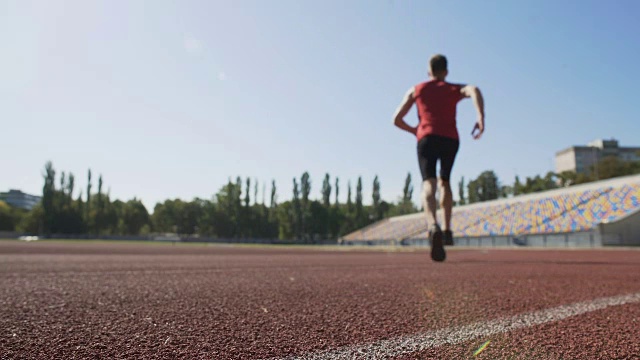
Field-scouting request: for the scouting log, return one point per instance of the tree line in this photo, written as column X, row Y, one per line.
column 236, row 211
column 487, row 186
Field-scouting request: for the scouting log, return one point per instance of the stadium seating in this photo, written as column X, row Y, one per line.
column 559, row 212
column 610, row 205
column 388, row 230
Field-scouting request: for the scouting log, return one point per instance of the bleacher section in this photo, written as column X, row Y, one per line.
column 573, row 209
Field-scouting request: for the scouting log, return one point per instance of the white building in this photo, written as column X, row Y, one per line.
column 580, row 159
column 18, row 199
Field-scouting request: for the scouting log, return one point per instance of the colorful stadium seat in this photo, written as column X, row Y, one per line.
column 570, row 211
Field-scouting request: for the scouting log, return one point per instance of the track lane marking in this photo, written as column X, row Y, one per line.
column 404, row 345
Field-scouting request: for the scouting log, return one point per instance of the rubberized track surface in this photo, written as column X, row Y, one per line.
column 96, row 300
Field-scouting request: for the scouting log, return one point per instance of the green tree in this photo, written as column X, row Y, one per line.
column 349, row 203
column 179, row 216
column 239, row 214
column 71, row 183
column 517, row 186
column 7, row 221
column 550, row 181
column 63, row 184
column 320, row 215
column 48, row 194
column 337, row 202
column 538, row 183
column 326, row 191
column 375, row 195
column 335, row 213
column 583, row 178
column 305, row 187
column 99, row 200
column 60, row 213
column 484, row 188
column 207, row 220
column 33, row 221
column 69, row 217
column 189, row 218
column 567, row 178
column 506, row 191
column 227, row 210
column 327, row 216
column 461, row 192
column 98, row 216
column 247, row 199
column 164, row 217
column 272, row 214
column 112, row 215
column 360, row 216
column 286, row 221
column 134, row 217
column 297, row 210
column 405, row 203
column 347, row 216
column 472, row 192
column 407, row 191
column 255, row 192
column 489, row 186
column 337, row 220
column 274, row 193
column 611, row 166
column 87, row 207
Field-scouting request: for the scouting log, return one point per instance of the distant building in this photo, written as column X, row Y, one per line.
column 18, row 199
column 580, row 159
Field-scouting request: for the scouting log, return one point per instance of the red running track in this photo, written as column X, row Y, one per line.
column 156, row 301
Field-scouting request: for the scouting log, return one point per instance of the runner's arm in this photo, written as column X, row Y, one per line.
column 402, row 111
column 478, row 101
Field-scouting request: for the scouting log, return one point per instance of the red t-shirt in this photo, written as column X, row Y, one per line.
column 436, row 102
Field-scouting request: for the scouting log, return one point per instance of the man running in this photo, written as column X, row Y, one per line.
column 437, row 135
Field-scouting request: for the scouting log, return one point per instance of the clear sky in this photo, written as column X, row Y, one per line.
column 168, row 99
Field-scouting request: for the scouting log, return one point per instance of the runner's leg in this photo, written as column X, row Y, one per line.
column 449, row 149
column 427, row 158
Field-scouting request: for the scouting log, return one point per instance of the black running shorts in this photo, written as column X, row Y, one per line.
column 432, row 148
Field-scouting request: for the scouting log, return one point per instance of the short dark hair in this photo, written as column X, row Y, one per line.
column 438, row 63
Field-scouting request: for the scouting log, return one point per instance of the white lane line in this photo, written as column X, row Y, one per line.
column 385, row 349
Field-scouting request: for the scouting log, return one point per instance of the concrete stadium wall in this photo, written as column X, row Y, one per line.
column 366, row 242
column 571, row 240
column 624, row 232
column 564, row 240
column 9, row 235
column 183, row 239
column 258, row 241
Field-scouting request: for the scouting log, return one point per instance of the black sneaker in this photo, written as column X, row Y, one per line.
column 437, row 245
column 448, row 238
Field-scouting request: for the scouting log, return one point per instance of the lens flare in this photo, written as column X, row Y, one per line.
column 481, row 348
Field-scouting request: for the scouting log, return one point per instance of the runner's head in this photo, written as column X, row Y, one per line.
column 438, row 67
